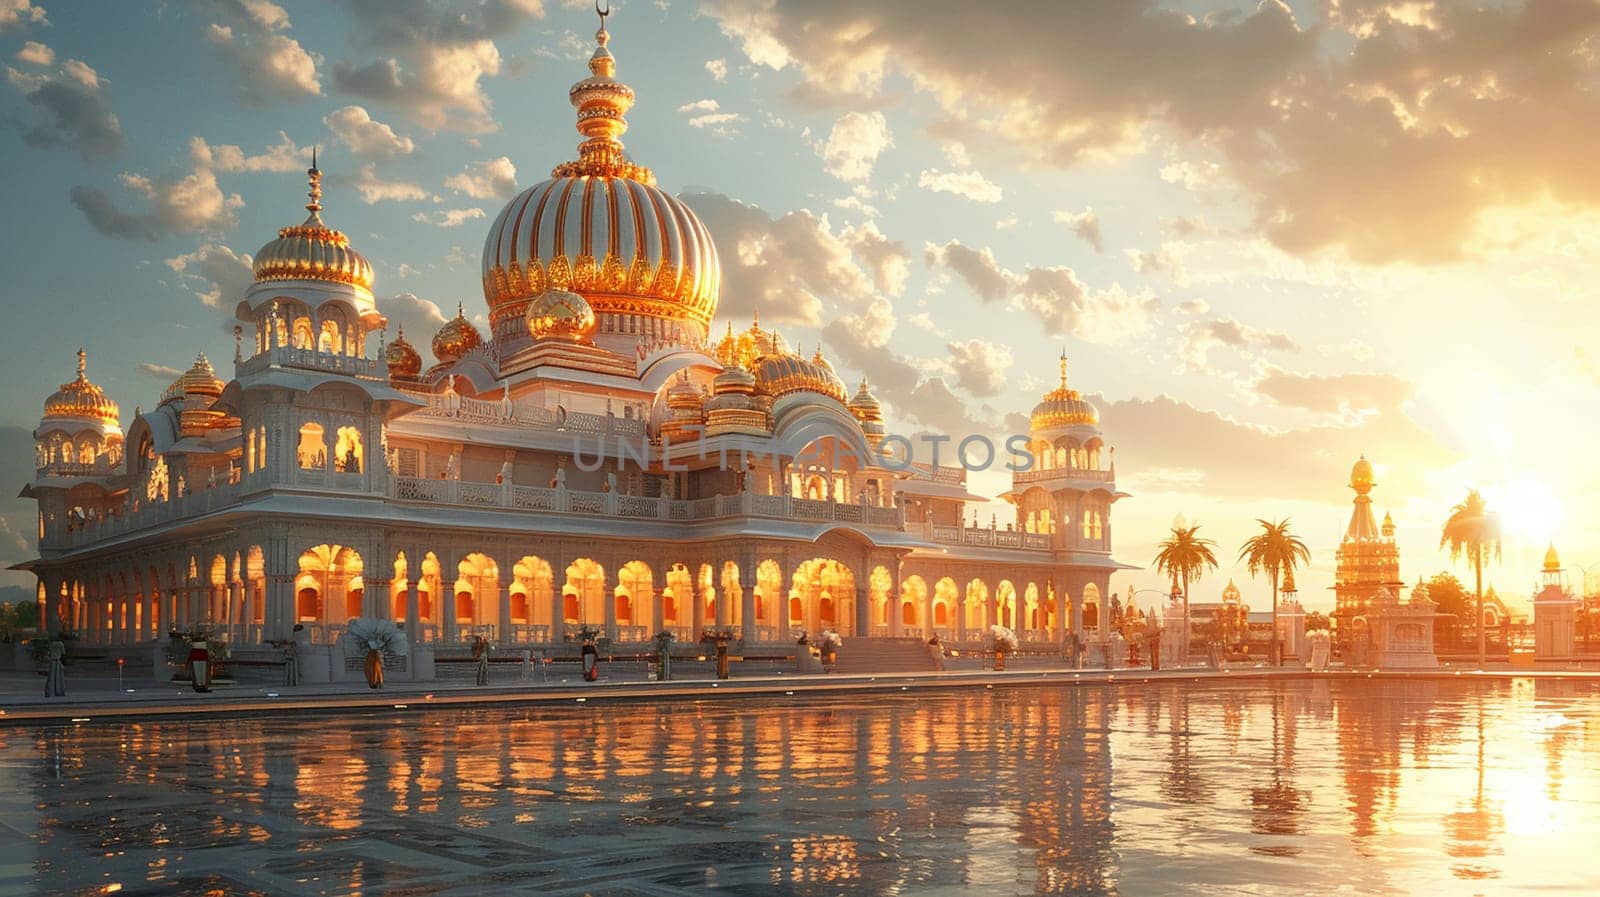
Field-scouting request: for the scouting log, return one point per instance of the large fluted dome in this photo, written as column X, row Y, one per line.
column 601, row 228
column 1064, row 407
column 779, row 375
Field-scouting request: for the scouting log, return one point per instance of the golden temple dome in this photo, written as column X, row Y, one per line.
column 561, row 314
column 1552, row 561
column 403, row 359
column 733, row 379
column 780, row 375
column 865, row 405
column 82, row 400
column 600, row 227
column 201, row 379
column 456, row 338
column 312, row 250
column 1064, row 407
column 1361, row 476
column 745, row 347
column 684, row 395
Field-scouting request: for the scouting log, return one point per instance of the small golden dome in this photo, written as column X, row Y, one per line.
column 865, row 405
column 560, row 314
column 1230, row 593
column 1064, row 407
column 200, row 379
column 733, row 380
column 1361, row 476
column 404, row 362
column 312, row 250
column 780, row 375
column 745, row 347
column 684, row 395
column 82, row 400
column 456, row 338
column 1552, row 561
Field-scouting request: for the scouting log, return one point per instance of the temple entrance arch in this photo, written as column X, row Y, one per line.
column 583, row 595
column 328, row 582
column 822, row 596
column 1005, row 604
column 913, row 598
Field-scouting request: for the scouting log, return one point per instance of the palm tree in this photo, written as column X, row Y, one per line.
column 1274, row 551
column 1185, row 556
column 1473, row 530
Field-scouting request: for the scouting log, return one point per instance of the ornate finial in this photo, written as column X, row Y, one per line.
column 755, row 317
column 314, row 176
column 459, row 312
column 400, row 331
column 83, row 364
column 1063, row 367
column 601, row 102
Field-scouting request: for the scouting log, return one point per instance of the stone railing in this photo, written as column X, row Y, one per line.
column 462, row 493
column 526, row 413
column 98, row 468
column 148, row 514
column 1040, row 474
column 313, row 360
column 986, row 537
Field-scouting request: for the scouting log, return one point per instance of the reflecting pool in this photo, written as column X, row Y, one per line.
column 1352, row 787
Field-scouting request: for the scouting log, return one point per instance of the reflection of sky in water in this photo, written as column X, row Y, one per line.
column 1442, row 787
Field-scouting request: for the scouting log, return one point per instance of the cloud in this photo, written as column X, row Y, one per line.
column 793, row 266
column 190, row 205
column 707, row 114
column 888, row 260
column 448, row 217
column 419, row 318
column 365, row 136
column 19, row 14
column 431, row 60
column 374, row 189
column 718, row 69
column 854, row 144
column 1201, row 337
column 970, row 184
column 490, row 179
column 160, row 371
column 281, row 157
column 1085, row 225
column 1054, row 295
column 271, row 64
column 1194, row 307
column 976, row 267
column 1383, row 131
column 70, row 110
column 218, row 276
column 1066, row 307
column 980, row 366
column 1248, row 463
column 35, row 53
column 1344, row 395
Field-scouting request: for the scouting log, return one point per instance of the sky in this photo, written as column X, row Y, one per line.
column 1270, row 237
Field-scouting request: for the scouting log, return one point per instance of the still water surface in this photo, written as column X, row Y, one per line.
column 1444, row 787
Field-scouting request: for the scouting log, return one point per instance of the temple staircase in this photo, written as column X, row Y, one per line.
column 884, row 655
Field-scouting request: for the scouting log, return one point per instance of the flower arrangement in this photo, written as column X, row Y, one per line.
column 1004, row 639
column 830, row 640
column 368, row 634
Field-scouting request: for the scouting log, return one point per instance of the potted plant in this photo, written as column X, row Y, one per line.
column 1005, row 642
column 372, row 640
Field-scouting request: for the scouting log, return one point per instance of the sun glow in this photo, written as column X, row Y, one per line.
column 1529, row 509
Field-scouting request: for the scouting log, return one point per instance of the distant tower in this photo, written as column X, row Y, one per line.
column 1555, row 611
column 1367, row 561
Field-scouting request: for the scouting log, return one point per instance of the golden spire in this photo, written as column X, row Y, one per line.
column 1063, row 367
column 314, row 177
column 602, row 102
column 83, row 364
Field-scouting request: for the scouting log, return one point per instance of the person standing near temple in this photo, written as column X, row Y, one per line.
column 55, row 680
column 480, row 653
column 291, row 657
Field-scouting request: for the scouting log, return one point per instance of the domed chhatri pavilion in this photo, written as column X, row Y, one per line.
column 600, row 458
